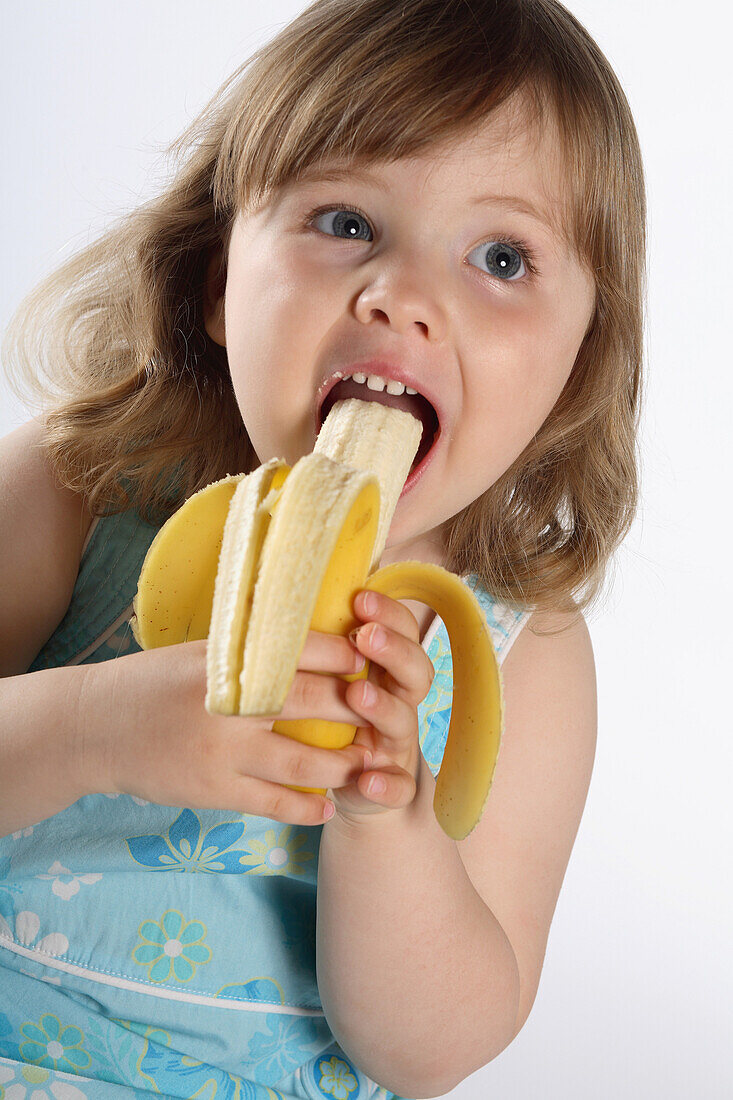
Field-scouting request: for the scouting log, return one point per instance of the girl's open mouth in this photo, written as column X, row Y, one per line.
column 415, row 404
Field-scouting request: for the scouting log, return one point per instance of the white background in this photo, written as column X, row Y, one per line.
column 636, row 992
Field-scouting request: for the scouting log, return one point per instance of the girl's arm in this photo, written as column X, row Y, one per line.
column 429, row 951
column 416, row 975
column 40, row 771
column 42, row 531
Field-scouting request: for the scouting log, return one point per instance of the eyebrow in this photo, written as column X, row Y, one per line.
column 512, row 203
column 515, row 204
column 314, row 174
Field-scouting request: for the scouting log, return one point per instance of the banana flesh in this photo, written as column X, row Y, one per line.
column 378, row 439
column 280, row 551
column 320, row 538
column 245, row 529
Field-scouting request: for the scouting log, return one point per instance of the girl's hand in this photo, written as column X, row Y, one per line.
column 399, row 685
column 141, row 728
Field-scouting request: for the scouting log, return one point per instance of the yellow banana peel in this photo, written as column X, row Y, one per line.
column 254, row 561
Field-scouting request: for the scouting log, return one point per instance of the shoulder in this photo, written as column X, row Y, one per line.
column 552, row 645
column 42, row 528
column 25, row 474
column 517, row 855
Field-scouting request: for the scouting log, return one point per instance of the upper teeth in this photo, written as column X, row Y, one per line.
column 377, row 382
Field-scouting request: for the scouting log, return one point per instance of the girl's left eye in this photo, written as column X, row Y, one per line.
column 503, row 257
column 346, row 220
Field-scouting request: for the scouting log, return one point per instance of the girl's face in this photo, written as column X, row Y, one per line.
column 412, row 273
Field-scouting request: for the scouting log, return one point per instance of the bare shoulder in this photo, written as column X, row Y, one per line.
column 42, row 531
column 517, row 855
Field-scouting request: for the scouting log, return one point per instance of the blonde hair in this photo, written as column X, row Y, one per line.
column 144, row 412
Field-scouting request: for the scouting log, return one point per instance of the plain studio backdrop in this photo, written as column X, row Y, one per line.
column 636, row 992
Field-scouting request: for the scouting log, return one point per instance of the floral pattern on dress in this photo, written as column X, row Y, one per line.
column 286, row 1043
column 65, row 882
column 27, row 927
column 440, row 695
column 186, row 847
column 29, row 1082
column 336, row 1079
column 435, row 710
column 166, row 1069
column 7, row 889
column 172, row 947
column 48, row 1043
column 278, row 853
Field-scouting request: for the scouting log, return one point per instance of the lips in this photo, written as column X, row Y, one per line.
column 375, row 366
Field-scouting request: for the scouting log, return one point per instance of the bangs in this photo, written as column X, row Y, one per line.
column 358, row 83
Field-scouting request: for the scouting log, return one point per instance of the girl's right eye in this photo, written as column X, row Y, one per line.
column 350, row 223
column 345, row 222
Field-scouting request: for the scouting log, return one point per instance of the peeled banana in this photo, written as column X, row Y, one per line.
column 254, row 561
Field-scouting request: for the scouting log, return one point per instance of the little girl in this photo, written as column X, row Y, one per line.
column 440, row 195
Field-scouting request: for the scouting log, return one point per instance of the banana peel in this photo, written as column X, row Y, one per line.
column 254, row 561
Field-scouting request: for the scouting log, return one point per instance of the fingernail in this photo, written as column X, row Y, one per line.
column 377, row 785
column 368, row 694
column 367, row 761
column 328, row 811
column 369, row 603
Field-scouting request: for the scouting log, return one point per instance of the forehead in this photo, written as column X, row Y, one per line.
column 516, row 153
column 512, row 158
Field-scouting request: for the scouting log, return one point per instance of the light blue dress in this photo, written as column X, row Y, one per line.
column 148, row 949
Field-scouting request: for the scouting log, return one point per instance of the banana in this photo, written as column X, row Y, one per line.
column 379, row 440
column 241, row 548
column 254, row 561
column 176, row 584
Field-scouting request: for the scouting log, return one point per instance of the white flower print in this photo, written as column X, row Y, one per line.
column 66, row 890
column 28, row 925
column 44, row 978
column 31, row 1082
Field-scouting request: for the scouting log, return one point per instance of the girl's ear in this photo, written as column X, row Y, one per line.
column 214, row 288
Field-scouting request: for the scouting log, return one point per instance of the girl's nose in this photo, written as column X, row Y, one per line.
column 403, row 299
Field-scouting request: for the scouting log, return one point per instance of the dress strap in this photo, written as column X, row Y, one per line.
column 106, row 583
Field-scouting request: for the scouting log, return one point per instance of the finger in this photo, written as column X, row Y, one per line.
column 318, row 695
column 405, row 661
column 270, row 755
column 388, row 612
column 324, row 652
column 393, row 717
column 393, row 787
column 273, row 800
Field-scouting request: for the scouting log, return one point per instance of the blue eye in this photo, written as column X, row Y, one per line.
column 503, row 260
column 349, row 224
column 503, row 257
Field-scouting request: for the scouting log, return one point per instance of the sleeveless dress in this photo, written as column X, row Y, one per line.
column 149, row 949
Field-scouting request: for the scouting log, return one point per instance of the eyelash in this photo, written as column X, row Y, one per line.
column 528, row 254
